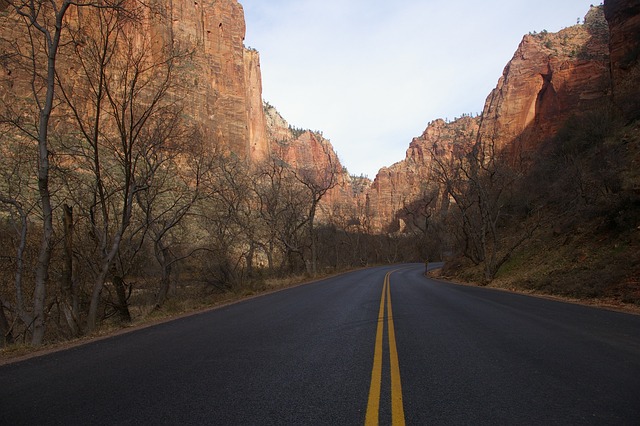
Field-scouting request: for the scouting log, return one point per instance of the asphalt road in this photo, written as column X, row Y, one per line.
column 465, row 355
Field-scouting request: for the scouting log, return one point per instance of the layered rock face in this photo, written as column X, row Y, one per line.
column 225, row 95
column 220, row 82
column 549, row 78
column 623, row 17
column 406, row 185
column 306, row 150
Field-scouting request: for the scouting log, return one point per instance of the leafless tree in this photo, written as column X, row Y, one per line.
column 480, row 183
column 317, row 181
column 226, row 219
column 282, row 205
column 120, row 100
column 173, row 188
column 41, row 24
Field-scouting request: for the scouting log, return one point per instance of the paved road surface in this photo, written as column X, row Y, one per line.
column 323, row 354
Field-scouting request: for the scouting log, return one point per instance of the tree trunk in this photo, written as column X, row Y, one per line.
column 164, row 259
column 314, row 245
column 270, row 257
column 249, row 260
column 92, row 317
column 44, row 256
column 20, row 310
column 6, row 336
column 122, row 305
column 67, row 287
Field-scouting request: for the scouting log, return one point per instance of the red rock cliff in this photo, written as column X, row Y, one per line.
column 225, row 96
column 550, row 77
column 402, row 185
column 220, row 80
column 303, row 149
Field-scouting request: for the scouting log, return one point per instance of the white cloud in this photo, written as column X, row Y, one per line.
column 372, row 73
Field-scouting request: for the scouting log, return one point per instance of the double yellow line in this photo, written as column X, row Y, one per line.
column 373, row 406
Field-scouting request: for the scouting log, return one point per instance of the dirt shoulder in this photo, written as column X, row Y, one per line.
column 602, row 303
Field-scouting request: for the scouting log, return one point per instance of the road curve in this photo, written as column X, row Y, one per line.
column 464, row 355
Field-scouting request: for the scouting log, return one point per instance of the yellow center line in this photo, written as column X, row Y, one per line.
column 373, row 405
column 397, row 409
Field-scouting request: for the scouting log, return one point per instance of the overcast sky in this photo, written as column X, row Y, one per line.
column 371, row 74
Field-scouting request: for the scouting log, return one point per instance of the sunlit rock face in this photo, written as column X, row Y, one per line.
column 398, row 187
column 217, row 80
column 225, row 90
column 304, row 150
column 550, row 77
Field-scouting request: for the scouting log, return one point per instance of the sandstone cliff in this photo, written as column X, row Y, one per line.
column 225, row 96
column 307, row 150
column 400, row 193
column 550, row 77
column 220, row 81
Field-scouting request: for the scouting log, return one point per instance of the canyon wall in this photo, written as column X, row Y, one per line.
column 400, row 191
column 307, row 150
column 624, row 24
column 225, row 91
column 551, row 77
column 218, row 79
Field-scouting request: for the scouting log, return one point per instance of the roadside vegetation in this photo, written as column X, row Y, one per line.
column 577, row 209
column 116, row 208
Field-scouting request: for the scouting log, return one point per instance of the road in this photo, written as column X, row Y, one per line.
column 323, row 353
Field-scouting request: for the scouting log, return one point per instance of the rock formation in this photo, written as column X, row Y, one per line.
column 550, row 77
column 396, row 189
column 220, row 79
column 225, row 96
column 307, row 150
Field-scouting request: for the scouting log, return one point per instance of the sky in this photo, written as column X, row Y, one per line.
column 371, row 74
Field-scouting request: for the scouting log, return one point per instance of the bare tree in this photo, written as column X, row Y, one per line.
column 282, row 205
column 43, row 24
column 173, row 187
column 20, row 258
column 120, row 100
column 480, row 183
column 417, row 216
column 317, row 182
